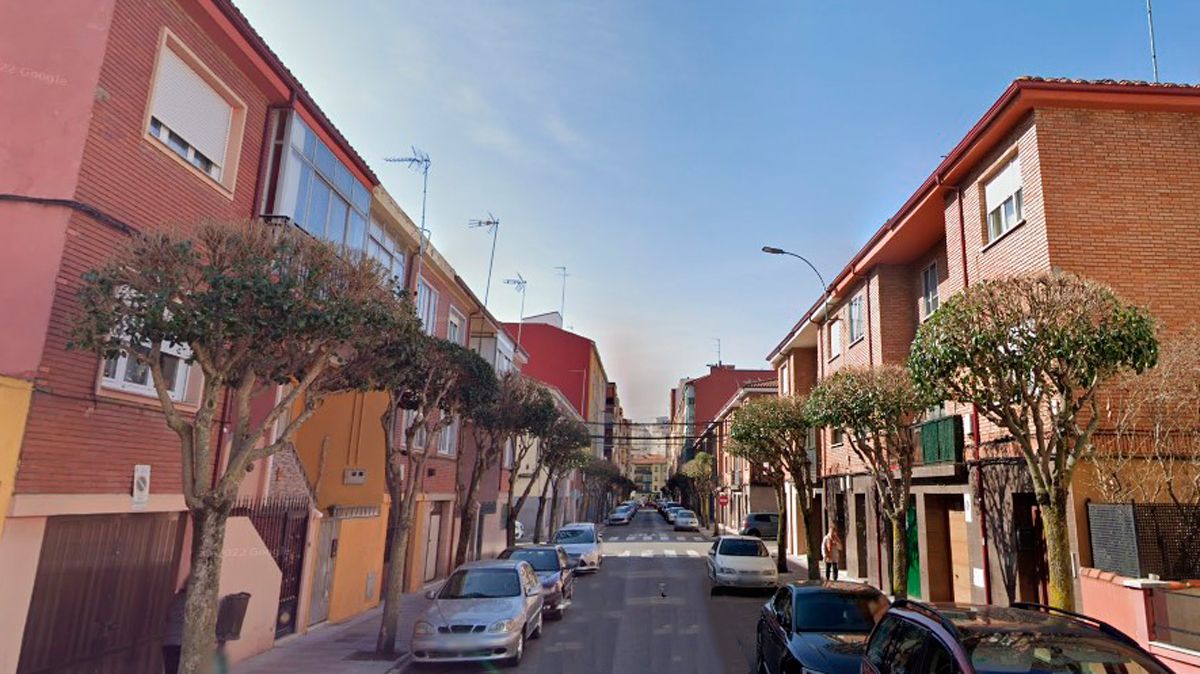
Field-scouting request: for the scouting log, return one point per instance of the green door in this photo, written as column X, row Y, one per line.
column 914, row 554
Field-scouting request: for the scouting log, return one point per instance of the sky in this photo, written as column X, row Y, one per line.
column 653, row 147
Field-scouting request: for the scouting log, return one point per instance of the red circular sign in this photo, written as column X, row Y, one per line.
column 723, row 499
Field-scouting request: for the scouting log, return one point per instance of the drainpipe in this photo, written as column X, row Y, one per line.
column 975, row 435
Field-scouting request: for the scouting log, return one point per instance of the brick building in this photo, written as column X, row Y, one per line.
column 695, row 403
column 1096, row 178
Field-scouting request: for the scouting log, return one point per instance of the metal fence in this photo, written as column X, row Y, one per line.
column 283, row 525
column 1139, row 539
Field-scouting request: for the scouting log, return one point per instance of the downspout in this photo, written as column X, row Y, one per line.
column 975, row 435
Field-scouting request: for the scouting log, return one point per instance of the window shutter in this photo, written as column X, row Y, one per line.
column 1003, row 185
column 187, row 105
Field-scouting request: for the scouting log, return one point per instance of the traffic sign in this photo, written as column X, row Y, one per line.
column 723, row 499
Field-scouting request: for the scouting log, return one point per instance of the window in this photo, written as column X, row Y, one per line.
column 857, row 323
column 902, row 653
column 320, row 193
column 785, row 382
column 1004, row 203
column 191, row 114
column 427, row 306
column 127, row 373
column 839, row 436
column 835, row 339
column 448, row 442
column 386, row 250
column 929, row 289
column 454, row 329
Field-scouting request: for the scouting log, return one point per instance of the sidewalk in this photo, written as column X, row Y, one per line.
column 346, row 648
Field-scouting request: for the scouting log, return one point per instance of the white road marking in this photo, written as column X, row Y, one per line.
column 693, row 553
column 669, row 553
column 624, row 554
column 647, row 553
column 662, row 537
column 697, row 538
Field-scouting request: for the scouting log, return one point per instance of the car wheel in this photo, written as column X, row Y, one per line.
column 516, row 659
column 537, row 631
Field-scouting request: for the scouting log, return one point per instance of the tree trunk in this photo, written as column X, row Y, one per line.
column 1058, row 551
column 400, row 516
column 467, row 513
column 537, row 521
column 899, row 554
column 812, row 535
column 515, row 508
column 553, row 511
column 200, row 608
column 781, row 531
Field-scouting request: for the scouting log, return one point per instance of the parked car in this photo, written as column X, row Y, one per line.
column 485, row 610
column 672, row 512
column 916, row 637
column 668, row 505
column 817, row 626
column 686, row 520
column 553, row 570
column 621, row 515
column 762, row 525
column 583, row 545
column 741, row 561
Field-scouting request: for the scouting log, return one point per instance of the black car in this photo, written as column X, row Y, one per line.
column 554, row 572
column 916, row 638
column 817, row 626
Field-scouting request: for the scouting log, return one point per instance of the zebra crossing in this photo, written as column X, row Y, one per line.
column 655, row 538
column 649, row 554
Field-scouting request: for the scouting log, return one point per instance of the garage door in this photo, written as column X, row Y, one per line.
column 101, row 594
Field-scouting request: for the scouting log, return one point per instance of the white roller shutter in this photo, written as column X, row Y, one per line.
column 187, row 105
column 1003, row 185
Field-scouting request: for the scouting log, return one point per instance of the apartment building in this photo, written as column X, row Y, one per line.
column 696, row 401
column 648, row 472
column 561, row 498
column 737, row 480
column 1097, row 178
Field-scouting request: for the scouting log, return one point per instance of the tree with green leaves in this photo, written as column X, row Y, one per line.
column 536, row 415
column 257, row 308
column 598, row 477
column 701, row 472
column 878, row 408
column 1030, row 353
column 771, row 433
column 562, row 450
column 442, row 382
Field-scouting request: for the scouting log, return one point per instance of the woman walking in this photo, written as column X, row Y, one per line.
column 831, row 545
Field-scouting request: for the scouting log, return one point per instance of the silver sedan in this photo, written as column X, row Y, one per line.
column 486, row 610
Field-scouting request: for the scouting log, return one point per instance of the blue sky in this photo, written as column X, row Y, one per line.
column 654, row 147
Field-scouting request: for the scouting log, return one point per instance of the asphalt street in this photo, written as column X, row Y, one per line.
column 648, row 609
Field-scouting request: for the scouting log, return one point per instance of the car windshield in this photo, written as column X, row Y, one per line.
column 540, row 560
column 571, row 536
column 740, row 547
column 835, row 612
column 685, row 513
column 1013, row 652
column 481, row 584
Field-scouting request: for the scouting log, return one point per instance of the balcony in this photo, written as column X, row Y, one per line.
column 942, row 441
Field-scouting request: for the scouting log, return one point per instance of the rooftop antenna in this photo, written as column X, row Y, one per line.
column 562, row 304
column 1153, row 51
column 519, row 282
column 418, row 161
column 492, row 225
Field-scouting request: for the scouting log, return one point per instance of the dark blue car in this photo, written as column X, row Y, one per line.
column 817, row 626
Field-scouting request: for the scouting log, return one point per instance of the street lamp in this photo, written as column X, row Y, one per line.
column 771, row 250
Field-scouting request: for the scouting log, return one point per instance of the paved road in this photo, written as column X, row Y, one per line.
column 621, row 623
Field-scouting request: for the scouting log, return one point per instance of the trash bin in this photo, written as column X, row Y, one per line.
column 231, row 615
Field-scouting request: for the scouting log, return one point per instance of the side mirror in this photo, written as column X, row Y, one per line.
column 431, row 594
column 712, row 553
column 533, row 592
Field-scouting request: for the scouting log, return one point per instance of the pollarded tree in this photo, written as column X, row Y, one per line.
column 598, row 477
column 256, row 307
column 772, row 432
column 535, row 416
column 878, row 407
column 701, row 472
column 1030, row 354
column 443, row 382
column 560, row 452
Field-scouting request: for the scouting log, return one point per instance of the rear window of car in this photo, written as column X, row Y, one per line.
column 572, row 536
column 540, row 560
column 835, row 611
column 739, row 547
column 765, row 518
column 1017, row 652
column 685, row 513
column 481, row 584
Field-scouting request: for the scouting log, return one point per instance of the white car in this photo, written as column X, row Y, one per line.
column 741, row 561
column 686, row 520
column 583, row 545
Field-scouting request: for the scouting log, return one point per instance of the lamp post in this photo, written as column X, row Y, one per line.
column 492, row 225
column 771, row 250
